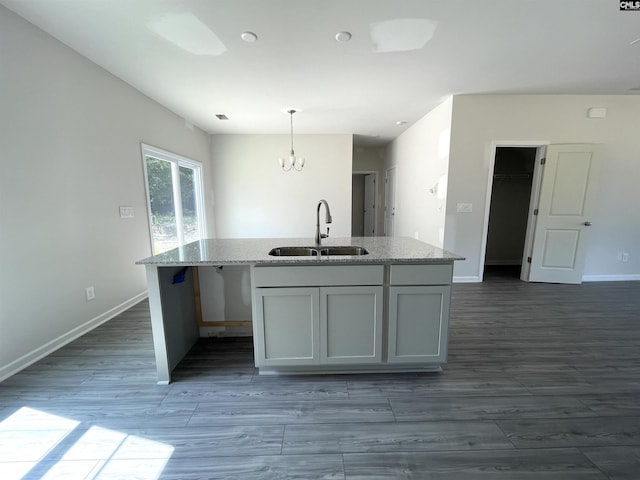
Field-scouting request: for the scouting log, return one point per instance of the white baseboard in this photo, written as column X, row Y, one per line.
column 469, row 279
column 585, row 278
column 23, row 362
column 610, row 278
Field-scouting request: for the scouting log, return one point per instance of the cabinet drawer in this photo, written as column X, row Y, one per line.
column 432, row 274
column 318, row 275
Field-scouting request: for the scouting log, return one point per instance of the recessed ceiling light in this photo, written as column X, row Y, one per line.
column 343, row 36
column 401, row 122
column 222, row 116
column 249, row 37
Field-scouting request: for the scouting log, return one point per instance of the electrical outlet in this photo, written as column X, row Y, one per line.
column 625, row 257
column 90, row 293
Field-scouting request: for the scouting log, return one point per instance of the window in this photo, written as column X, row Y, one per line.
column 174, row 199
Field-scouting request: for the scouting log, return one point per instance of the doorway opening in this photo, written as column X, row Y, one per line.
column 363, row 204
column 511, row 187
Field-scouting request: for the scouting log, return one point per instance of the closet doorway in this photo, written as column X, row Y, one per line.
column 511, row 188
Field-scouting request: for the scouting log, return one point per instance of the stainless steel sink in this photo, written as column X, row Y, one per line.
column 317, row 251
column 294, row 252
column 346, row 250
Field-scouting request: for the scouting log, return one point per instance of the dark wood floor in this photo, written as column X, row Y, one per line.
column 543, row 382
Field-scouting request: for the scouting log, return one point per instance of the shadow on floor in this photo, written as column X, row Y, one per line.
column 502, row 273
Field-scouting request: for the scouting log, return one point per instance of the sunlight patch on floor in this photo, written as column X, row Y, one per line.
column 29, row 437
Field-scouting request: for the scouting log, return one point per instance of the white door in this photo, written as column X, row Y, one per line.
column 567, row 197
column 369, row 205
column 389, row 202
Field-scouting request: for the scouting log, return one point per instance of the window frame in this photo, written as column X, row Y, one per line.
column 176, row 162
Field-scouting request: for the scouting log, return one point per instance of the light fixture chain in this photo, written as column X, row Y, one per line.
column 291, row 112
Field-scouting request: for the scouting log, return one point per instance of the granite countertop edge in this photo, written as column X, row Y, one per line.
column 255, row 251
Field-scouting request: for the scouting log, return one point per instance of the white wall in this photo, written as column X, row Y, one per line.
column 254, row 198
column 480, row 120
column 70, row 134
column 421, row 155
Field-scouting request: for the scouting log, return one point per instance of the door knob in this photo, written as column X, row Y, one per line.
column 587, row 224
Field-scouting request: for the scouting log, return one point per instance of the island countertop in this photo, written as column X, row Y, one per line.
column 255, row 251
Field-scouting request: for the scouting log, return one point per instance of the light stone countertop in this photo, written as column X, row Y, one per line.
column 255, row 251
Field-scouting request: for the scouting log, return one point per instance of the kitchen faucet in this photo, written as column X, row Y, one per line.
column 327, row 219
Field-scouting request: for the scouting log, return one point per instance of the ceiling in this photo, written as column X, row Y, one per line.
column 404, row 57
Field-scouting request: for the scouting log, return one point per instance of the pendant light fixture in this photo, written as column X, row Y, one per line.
column 294, row 163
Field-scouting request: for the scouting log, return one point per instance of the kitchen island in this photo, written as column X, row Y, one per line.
column 386, row 310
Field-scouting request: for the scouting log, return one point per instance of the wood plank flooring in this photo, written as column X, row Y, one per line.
column 543, row 382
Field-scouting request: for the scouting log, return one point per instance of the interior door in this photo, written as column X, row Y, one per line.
column 567, row 197
column 390, row 202
column 369, row 204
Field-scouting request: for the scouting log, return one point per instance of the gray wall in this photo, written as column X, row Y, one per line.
column 70, row 135
column 421, row 158
column 480, row 120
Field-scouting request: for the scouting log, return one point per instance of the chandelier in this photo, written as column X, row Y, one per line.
column 293, row 163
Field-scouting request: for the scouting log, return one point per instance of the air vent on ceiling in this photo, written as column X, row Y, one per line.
column 222, row 116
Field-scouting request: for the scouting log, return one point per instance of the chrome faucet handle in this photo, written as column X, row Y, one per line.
column 325, row 235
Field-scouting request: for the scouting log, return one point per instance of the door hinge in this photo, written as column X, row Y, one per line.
column 535, row 212
column 543, row 161
column 528, row 259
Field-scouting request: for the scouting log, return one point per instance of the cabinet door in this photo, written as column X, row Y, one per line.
column 418, row 324
column 351, row 325
column 287, row 326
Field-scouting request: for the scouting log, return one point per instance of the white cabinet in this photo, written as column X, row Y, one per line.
column 318, row 325
column 419, row 299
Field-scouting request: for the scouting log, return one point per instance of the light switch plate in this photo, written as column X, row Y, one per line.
column 126, row 212
column 465, row 207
